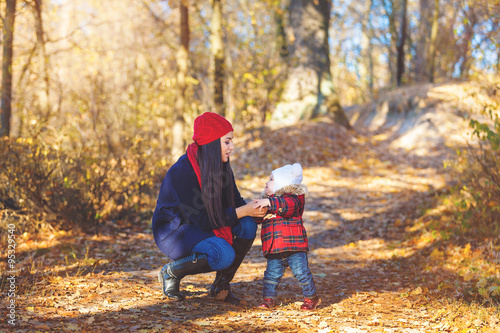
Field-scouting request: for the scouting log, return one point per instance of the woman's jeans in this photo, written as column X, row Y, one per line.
column 300, row 269
column 220, row 253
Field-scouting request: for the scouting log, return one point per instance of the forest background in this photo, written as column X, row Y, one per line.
column 98, row 97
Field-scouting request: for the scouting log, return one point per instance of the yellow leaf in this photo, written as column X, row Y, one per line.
column 468, row 276
column 417, row 291
column 436, row 254
column 467, row 249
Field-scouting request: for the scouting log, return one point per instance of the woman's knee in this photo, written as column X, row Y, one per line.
column 246, row 228
column 219, row 252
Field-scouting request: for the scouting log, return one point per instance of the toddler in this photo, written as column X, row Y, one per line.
column 284, row 238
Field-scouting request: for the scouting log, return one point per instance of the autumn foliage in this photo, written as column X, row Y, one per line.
column 68, row 189
column 397, row 240
column 481, row 171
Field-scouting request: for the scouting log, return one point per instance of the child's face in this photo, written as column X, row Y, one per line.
column 270, row 186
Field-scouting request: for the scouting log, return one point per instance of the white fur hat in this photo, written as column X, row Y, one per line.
column 287, row 175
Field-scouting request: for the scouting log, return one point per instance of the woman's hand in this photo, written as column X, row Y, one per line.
column 250, row 210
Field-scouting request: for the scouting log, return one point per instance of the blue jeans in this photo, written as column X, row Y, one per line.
column 220, row 253
column 300, row 269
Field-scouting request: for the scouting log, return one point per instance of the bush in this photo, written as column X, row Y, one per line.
column 480, row 171
column 73, row 189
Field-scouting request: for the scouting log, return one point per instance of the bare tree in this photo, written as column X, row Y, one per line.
column 217, row 51
column 391, row 8
column 279, row 18
column 182, row 66
column 44, row 93
column 465, row 49
column 309, row 90
column 366, row 65
column 422, row 41
column 8, row 40
column 401, row 44
column 432, row 42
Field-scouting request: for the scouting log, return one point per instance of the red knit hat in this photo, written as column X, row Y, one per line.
column 209, row 127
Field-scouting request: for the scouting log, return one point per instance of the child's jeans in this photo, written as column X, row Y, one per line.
column 300, row 269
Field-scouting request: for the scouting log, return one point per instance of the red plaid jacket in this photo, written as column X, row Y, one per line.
column 284, row 230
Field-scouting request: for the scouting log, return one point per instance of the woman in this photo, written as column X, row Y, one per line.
column 201, row 221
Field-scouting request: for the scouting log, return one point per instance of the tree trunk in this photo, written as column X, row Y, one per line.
column 466, row 42
column 182, row 65
column 366, row 63
column 217, row 49
column 44, row 93
column 391, row 8
column 401, row 45
column 432, row 43
column 230, row 104
column 422, row 49
column 281, row 43
column 498, row 60
column 309, row 90
column 6, row 94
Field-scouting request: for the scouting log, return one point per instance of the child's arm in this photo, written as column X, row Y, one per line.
column 285, row 207
column 261, row 203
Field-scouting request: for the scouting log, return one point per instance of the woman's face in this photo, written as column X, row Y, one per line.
column 270, row 186
column 226, row 146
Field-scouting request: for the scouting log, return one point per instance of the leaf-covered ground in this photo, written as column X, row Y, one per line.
column 379, row 263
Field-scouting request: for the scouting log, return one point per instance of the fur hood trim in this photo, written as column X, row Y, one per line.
column 295, row 189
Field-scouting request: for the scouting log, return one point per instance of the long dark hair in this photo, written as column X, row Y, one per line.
column 216, row 183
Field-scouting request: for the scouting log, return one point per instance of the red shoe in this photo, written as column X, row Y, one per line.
column 267, row 303
column 310, row 304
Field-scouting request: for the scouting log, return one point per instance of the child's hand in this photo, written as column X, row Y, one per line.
column 261, row 203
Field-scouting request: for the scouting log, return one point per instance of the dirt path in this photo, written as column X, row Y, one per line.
column 359, row 210
column 363, row 206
